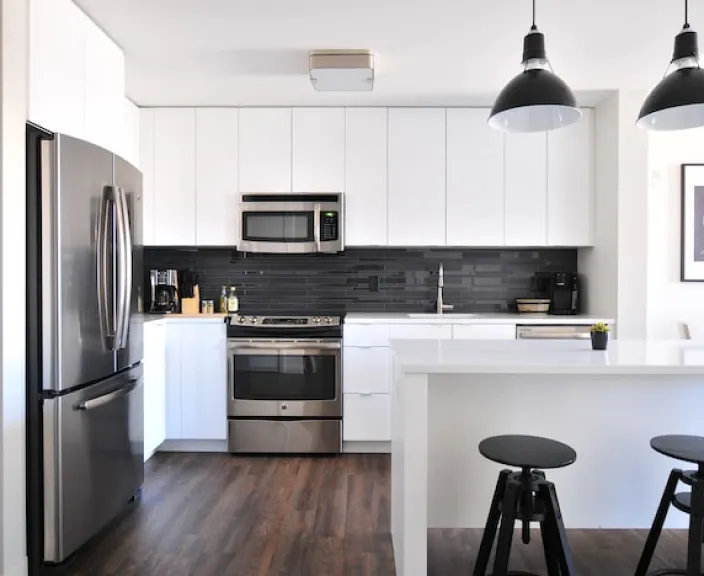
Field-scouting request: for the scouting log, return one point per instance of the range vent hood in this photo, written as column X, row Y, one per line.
column 341, row 70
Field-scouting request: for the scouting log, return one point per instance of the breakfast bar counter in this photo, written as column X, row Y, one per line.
column 448, row 395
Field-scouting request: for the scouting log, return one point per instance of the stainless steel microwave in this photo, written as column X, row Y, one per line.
column 291, row 223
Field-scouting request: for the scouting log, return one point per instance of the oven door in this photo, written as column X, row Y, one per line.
column 284, row 378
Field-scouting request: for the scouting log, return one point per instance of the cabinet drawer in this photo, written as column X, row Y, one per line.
column 484, row 332
column 421, row 331
column 365, row 335
column 366, row 417
column 366, row 370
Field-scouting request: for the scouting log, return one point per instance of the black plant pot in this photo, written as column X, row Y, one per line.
column 600, row 340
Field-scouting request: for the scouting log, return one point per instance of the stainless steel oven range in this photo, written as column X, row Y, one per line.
column 284, row 384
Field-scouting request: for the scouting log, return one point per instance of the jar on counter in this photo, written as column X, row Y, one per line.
column 223, row 300
column 211, row 307
column 233, row 303
column 203, row 306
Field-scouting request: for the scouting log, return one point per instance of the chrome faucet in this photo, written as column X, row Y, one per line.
column 441, row 306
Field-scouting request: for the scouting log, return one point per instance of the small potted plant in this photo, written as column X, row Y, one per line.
column 600, row 336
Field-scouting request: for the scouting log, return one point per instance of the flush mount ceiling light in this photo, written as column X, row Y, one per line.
column 341, row 70
column 536, row 100
column 677, row 102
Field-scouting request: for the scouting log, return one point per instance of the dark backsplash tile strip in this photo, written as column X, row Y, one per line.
column 367, row 279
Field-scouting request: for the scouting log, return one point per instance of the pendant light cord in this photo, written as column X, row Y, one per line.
column 686, row 13
column 534, row 27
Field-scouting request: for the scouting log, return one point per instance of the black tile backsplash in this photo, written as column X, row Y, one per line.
column 367, row 279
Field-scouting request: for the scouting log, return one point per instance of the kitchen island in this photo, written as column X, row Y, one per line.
column 448, row 395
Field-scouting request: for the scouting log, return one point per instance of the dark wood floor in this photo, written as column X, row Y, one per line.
column 216, row 515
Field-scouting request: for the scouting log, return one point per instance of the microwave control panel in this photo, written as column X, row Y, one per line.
column 329, row 229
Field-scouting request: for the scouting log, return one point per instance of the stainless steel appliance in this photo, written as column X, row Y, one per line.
column 291, row 223
column 284, row 384
column 163, row 291
column 563, row 291
column 553, row 332
column 84, row 342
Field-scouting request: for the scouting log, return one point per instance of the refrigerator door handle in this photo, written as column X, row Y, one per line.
column 124, row 267
column 94, row 403
column 105, row 296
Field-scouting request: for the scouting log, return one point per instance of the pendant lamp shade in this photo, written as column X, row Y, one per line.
column 537, row 99
column 677, row 102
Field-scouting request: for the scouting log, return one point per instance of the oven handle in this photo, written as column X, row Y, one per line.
column 316, row 227
column 285, row 345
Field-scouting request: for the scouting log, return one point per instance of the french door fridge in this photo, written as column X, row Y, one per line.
column 84, row 342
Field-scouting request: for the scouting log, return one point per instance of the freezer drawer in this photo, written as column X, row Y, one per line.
column 284, row 436
column 93, row 459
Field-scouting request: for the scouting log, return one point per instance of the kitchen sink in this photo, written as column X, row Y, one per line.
column 431, row 315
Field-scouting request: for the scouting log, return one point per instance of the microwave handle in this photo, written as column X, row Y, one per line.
column 316, row 227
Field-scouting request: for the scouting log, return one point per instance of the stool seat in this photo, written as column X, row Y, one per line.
column 527, row 451
column 680, row 447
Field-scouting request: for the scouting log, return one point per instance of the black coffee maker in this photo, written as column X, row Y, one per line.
column 563, row 291
column 164, row 291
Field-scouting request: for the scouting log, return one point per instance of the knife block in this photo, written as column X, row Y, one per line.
column 191, row 305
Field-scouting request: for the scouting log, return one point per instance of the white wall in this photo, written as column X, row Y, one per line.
column 669, row 300
column 13, row 114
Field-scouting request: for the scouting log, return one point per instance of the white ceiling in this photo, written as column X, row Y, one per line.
column 428, row 52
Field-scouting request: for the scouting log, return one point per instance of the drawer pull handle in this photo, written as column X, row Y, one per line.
column 365, row 393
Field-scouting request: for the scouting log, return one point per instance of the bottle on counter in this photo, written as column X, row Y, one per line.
column 223, row 300
column 233, row 303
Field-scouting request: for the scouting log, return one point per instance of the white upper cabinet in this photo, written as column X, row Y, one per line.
column 130, row 146
column 570, row 209
column 265, row 150
column 174, row 176
column 416, row 177
column 365, row 177
column 475, row 179
column 146, row 165
column 217, row 175
column 105, row 91
column 318, row 149
column 57, row 66
column 526, row 189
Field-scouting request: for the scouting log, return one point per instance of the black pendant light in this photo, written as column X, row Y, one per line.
column 677, row 102
column 536, row 100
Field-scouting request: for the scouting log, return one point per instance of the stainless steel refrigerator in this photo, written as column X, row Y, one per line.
column 84, row 342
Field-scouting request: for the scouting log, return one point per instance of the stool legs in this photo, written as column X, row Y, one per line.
column 492, row 523
column 694, row 538
column 652, row 540
column 557, row 527
column 509, row 510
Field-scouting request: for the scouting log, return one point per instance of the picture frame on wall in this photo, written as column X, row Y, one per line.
column 692, row 223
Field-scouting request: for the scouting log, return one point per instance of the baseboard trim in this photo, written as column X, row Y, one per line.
column 193, row 446
column 19, row 569
column 350, row 447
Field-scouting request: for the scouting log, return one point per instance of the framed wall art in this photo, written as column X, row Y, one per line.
column 692, row 223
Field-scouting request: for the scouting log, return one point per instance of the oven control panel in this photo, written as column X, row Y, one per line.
column 284, row 322
column 328, row 226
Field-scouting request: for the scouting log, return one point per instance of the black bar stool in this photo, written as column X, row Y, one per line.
column 528, row 497
column 688, row 449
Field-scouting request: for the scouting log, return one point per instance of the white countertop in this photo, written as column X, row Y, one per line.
column 645, row 357
column 459, row 318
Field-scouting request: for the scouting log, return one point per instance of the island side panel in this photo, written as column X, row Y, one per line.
column 617, row 480
column 409, row 473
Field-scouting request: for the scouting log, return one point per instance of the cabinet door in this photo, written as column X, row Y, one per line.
column 416, row 177
column 146, row 165
column 154, row 387
column 571, row 184
column 318, row 149
column 475, row 179
column 366, row 370
column 57, row 57
column 130, row 148
column 366, row 417
column 175, row 176
column 365, row 177
column 420, row 332
column 526, row 189
column 105, row 91
column 265, row 150
column 484, row 332
column 204, row 386
column 172, row 372
column 216, row 169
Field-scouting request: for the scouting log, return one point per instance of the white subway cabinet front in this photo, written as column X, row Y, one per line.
column 366, row 370
column 154, row 387
column 366, row 418
column 318, row 150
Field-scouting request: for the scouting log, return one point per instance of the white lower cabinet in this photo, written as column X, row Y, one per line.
column 196, row 381
column 484, row 332
column 366, row 417
column 366, row 370
column 154, row 387
column 421, row 331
